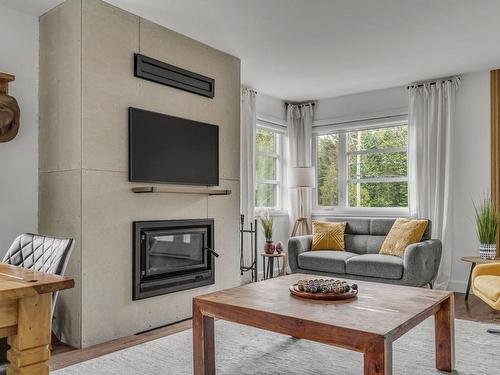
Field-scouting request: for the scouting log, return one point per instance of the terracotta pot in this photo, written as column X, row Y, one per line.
column 269, row 247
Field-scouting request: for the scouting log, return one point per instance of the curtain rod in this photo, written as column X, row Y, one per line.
column 312, row 103
column 431, row 82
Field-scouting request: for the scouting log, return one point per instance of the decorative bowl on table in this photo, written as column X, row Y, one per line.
column 324, row 289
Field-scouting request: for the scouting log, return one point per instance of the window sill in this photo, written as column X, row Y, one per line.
column 375, row 211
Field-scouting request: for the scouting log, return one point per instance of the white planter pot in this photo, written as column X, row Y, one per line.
column 488, row 251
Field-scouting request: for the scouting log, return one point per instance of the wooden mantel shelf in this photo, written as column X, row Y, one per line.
column 179, row 190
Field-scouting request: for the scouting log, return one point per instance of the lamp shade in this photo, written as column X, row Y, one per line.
column 301, row 177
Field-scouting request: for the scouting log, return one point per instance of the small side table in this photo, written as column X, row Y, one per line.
column 268, row 272
column 473, row 261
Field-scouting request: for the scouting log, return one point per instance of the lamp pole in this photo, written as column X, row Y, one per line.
column 301, row 178
column 301, row 206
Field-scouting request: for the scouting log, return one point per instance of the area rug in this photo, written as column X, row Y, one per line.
column 242, row 350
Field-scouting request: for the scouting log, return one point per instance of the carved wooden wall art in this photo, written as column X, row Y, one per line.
column 9, row 110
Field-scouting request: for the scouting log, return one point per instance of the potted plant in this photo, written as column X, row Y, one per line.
column 487, row 223
column 267, row 225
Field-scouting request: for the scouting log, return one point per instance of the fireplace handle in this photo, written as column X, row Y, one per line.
column 211, row 251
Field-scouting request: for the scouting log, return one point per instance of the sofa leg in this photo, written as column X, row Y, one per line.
column 493, row 330
column 430, row 285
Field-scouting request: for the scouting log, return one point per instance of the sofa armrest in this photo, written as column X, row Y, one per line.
column 421, row 261
column 492, row 269
column 297, row 245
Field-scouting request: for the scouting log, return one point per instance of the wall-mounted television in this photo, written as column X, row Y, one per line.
column 168, row 149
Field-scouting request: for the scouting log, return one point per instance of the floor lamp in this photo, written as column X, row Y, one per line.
column 301, row 178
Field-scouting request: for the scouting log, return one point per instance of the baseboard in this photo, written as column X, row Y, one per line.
column 457, row 286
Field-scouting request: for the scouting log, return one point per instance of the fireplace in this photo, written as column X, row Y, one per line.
column 172, row 255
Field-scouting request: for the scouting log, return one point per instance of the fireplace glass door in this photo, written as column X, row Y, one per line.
column 175, row 250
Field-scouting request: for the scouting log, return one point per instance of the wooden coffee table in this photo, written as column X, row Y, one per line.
column 369, row 323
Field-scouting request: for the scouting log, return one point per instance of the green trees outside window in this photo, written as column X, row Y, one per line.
column 327, row 170
column 267, row 168
column 373, row 167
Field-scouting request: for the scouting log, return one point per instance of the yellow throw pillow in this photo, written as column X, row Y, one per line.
column 328, row 235
column 404, row 232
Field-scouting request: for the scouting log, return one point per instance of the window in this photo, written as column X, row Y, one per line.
column 327, row 170
column 364, row 168
column 268, row 168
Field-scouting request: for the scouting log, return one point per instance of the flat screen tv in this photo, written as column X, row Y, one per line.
column 168, row 149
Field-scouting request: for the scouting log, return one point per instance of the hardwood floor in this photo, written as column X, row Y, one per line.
column 475, row 309
column 64, row 355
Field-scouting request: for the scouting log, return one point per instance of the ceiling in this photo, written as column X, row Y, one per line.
column 32, row 7
column 298, row 50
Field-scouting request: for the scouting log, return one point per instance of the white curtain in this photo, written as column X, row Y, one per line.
column 247, row 150
column 299, row 120
column 431, row 117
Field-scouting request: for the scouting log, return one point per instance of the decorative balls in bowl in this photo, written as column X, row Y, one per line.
column 325, row 286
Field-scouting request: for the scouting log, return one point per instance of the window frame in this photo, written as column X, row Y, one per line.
column 343, row 167
column 279, row 156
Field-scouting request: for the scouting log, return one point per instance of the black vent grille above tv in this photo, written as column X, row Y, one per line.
column 166, row 74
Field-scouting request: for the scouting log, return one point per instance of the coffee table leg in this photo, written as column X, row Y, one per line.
column 378, row 358
column 203, row 343
column 445, row 335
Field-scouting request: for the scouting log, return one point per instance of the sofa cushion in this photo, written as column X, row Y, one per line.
column 363, row 244
column 328, row 236
column 374, row 244
column 381, row 226
column 375, row 265
column 356, row 243
column 325, row 261
column 404, row 232
column 378, row 226
column 354, row 225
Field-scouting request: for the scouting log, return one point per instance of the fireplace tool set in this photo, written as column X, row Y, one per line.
column 252, row 233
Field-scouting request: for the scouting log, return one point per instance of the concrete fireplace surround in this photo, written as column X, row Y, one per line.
column 86, row 87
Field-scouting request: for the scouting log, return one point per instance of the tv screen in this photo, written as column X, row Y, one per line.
column 168, row 149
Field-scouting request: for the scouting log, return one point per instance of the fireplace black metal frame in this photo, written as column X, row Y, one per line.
column 146, row 286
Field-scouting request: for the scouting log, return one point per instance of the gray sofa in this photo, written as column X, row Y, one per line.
column 361, row 261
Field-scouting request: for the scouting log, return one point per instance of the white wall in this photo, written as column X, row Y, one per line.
column 19, row 157
column 270, row 106
column 471, row 175
column 371, row 104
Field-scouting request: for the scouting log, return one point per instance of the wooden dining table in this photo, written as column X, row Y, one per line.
column 26, row 316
